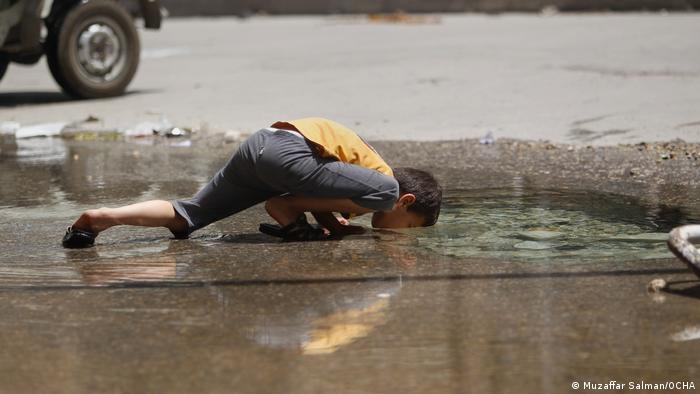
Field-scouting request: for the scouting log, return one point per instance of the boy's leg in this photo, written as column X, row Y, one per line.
column 154, row 213
column 290, row 164
column 233, row 189
column 293, row 165
column 285, row 209
column 220, row 198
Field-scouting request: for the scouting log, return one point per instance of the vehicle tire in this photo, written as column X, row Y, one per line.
column 94, row 51
column 3, row 67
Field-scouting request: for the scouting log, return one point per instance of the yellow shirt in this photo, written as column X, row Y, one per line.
column 338, row 141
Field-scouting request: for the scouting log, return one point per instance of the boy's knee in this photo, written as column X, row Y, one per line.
column 383, row 197
column 389, row 191
column 271, row 203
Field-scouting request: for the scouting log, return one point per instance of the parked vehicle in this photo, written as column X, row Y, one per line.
column 91, row 46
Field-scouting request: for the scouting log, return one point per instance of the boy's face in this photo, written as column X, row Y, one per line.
column 399, row 216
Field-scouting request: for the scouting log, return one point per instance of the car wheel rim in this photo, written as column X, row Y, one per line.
column 101, row 52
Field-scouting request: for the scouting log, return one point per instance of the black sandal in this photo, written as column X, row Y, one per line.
column 75, row 238
column 298, row 230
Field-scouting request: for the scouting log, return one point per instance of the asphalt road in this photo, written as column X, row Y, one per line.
column 579, row 79
column 452, row 308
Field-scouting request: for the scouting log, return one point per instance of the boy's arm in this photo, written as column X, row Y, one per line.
column 330, row 222
column 285, row 209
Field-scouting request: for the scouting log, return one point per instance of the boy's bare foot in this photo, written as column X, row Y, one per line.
column 94, row 221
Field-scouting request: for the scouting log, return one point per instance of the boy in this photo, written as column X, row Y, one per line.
column 307, row 165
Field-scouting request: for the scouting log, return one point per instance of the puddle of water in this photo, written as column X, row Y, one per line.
column 531, row 225
column 514, row 224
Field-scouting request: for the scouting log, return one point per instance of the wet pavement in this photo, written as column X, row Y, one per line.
column 420, row 310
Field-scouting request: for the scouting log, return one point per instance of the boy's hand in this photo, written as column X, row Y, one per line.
column 352, row 229
column 285, row 209
column 336, row 226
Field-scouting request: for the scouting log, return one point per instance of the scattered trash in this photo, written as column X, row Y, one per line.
column 232, row 136
column 150, row 128
column 161, row 128
column 145, row 129
column 656, row 285
column 80, row 134
column 688, row 334
column 487, row 139
column 549, row 10
column 175, row 132
column 40, row 130
column 403, row 17
column 9, row 128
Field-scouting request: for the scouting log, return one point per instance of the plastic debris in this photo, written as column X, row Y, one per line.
column 403, row 17
column 233, row 136
column 40, row 130
column 174, row 132
column 549, row 10
column 9, row 128
column 487, row 139
column 656, row 285
column 688, row 334
column 149, row 128
column 144, row 129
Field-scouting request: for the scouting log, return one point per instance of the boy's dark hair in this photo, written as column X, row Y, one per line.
column 427, row 190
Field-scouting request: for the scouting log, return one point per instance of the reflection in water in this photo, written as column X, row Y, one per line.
column 67, row 173
column 332, row 319
column 159, row 262
column 541, row 225
column 313, row 320
column 148, row 269
column 343, row 327
column 35, row 150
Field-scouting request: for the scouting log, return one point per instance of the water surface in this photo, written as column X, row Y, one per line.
column 550, row 225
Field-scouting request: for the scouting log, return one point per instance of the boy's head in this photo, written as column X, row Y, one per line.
column 419, row 201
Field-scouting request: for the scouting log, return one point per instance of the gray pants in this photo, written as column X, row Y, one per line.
column 272, row 163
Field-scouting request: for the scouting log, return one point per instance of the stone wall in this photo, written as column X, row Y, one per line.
column 247, row 7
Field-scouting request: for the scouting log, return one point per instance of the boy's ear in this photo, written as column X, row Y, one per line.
column 407, row 199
